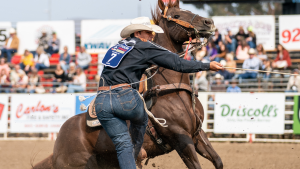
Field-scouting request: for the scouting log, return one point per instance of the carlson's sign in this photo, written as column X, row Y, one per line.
column 40, row 113
column 249, row 113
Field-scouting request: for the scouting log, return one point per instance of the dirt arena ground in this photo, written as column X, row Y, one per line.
column 17, row 155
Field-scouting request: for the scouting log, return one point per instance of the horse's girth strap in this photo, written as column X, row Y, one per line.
column 179, row 22
column 174, row 86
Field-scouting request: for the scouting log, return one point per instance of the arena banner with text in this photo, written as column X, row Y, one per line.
column 30, row 32
column 4, row 32
column 85, row 102
column 249, row 113
column 263, row 27
column 3, row 113
column 296, row 117
column 40, row 113
column 289, row 31
column 99, row 35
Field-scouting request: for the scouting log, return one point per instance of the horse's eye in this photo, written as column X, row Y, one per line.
column 176, row 16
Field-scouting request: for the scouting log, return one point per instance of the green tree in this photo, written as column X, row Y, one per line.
column 229, row 9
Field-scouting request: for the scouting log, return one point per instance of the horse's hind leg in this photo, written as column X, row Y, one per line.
column 45, row 164
column 184, row 146
column 205, row 149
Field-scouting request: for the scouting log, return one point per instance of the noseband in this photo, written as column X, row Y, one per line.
column 182, row 23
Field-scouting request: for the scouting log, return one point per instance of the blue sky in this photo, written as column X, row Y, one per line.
column 38, row 10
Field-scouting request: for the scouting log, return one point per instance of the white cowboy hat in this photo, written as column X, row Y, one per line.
column 251, row 51
column 12, row 31
column 140, row 24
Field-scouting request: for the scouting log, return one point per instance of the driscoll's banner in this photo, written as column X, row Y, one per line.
column 40, row 113
column 249, row 113
column 296, row 117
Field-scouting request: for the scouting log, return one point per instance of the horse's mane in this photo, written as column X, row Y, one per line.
column 156, row 13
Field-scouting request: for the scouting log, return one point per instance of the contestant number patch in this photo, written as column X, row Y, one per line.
column 115, row 54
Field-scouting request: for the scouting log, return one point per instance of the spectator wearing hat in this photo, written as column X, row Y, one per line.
column 11, row 45
column 283, row 59
column 4, row 65
column 22, row 83
column 251, row 37
column 218, row 86
column 201, row 82
column 27, row 61
column 41, row 59
column 83, row 59
column 43, row 40
column 54, row 44
column 15, row 74
column 65, row 59
column 226, row 74
column 252, row 63
column 233, row 88
column 294, row 82
column 242, row 50
column 230, row 41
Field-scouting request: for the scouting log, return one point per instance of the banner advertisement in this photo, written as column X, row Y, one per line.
column 263, row 27
column 4, row 32
column 203, row 97
column 289, row 31
column 296, row 116
column 99, row 35
column 85, row 102
column 40, row 113
column 30, row 32
column 3, row 113
column 249, row 113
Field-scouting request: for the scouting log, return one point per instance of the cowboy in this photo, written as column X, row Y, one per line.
column 11, row 45
column 124, row 65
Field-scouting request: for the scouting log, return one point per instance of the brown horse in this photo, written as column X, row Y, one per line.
column 80, row 146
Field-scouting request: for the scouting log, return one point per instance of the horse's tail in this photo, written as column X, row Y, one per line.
column 45, row 164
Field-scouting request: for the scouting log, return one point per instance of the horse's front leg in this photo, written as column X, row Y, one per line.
column 184, row 146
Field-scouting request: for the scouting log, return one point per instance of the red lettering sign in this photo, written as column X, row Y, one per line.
column 1, row 110
column 38, row 108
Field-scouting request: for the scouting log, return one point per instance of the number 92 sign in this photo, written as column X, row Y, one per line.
column 289, row 31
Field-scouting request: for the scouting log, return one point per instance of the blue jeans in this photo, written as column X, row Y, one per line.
column 248, row 75
column 75, row 88
column 64, row 67
column 8, row 52
column 113, row 108
column 40, row 66
column 231, row 46
column 252, row 44
column 84, row 67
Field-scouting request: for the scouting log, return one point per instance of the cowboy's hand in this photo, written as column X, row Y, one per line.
column 215, row 66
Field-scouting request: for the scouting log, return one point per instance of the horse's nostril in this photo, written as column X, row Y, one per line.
column 207, row 22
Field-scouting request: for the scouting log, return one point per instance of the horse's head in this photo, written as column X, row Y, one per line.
column 181, row 24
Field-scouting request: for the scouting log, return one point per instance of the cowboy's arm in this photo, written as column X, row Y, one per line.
column 169, row 60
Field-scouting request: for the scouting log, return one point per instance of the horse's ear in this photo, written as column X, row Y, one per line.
column 161, row 5
column 175, row 3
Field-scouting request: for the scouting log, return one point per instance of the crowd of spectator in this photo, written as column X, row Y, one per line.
column 241, row 47
column 24, row 77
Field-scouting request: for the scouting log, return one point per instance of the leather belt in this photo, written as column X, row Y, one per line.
column 124, row 86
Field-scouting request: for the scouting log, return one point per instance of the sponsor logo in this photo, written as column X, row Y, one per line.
column 32, row 109
column 265, row 111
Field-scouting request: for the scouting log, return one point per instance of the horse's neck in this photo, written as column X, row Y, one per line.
column 167, row 76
